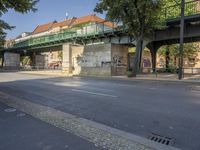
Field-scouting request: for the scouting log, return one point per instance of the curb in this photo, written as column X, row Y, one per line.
column 60, row 74
column 142, row 79
column 110, row 77
column 96, row 133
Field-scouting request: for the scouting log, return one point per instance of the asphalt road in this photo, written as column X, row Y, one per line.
column 22, row 132
column 138, row 107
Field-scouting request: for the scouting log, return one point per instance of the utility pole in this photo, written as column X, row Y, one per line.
column 180, row 75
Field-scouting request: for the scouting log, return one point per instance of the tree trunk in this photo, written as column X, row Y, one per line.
column 167, row 58
column 2, row 63
column 153, row 57
column 175, row 61
column 138, row 57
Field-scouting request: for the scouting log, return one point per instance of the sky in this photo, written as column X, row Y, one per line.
column 48, row 11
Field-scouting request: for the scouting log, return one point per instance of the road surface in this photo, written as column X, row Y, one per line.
column 138, row 107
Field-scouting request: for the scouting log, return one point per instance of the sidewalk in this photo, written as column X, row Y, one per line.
column 46, row 72
column 22, row 132
column 163, row 77
column 151, row 77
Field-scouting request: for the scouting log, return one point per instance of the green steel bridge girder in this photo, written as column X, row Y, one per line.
column 82, row 40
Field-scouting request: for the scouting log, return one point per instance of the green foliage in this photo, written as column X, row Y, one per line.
column 143, row 16
column 60, row 55
column 130, row 74
column 21, row 6
column 25, row 60
column 173, row 8
column 139, row 17
column 190, row 50
column 171, row 69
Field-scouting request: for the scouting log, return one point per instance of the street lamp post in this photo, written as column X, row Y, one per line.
column 180, row 76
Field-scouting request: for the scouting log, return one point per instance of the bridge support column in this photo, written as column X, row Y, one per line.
column 11, row 61
column 153, row 60
column 67, row 59
column 137, row 65
column 33, row 55
column 38, row 61
column 153, row 49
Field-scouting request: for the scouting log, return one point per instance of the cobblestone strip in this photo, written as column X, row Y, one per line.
column 99, row 134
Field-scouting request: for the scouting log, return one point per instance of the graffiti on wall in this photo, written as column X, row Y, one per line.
column 81, row 59
column 106, row 64
column 146, row 63
column 89, row 60
column 119, row 61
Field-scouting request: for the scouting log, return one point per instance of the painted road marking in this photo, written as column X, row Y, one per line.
column 152, row 88
column 93, row 93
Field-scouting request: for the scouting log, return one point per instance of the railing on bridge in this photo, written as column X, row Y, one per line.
column 68, row 34
column 174, row 12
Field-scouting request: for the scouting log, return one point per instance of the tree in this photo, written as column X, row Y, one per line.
column 174, row 8
column 25, row 60
column 139, row 17
column 21, row 6
column 172, row 52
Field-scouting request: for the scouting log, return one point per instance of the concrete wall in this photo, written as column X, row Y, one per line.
column 92, row 60
column 146, row 61
column 67, row 59
column 40, row 61
column 77, row 52
column 119, row 59
column 100, row 60
column 11, row 61
column 96, row 60
column 53, row 59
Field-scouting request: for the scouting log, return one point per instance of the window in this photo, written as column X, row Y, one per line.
column 191, row 62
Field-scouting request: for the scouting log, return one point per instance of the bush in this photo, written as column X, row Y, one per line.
column 130, row 74
column 171, row 69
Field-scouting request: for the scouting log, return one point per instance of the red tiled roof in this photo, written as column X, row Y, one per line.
column 71, row 22
column 43, row 28
column 93, row 18
column 64, row 23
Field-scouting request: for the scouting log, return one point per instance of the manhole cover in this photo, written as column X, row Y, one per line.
column 10, row 110
column 161, row 139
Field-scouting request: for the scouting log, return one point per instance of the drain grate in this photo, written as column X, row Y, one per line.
column 161, row 139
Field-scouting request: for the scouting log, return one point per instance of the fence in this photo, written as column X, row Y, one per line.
column 166, row 73
column 39, row 68
column 94, row 29
column 191, row 8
